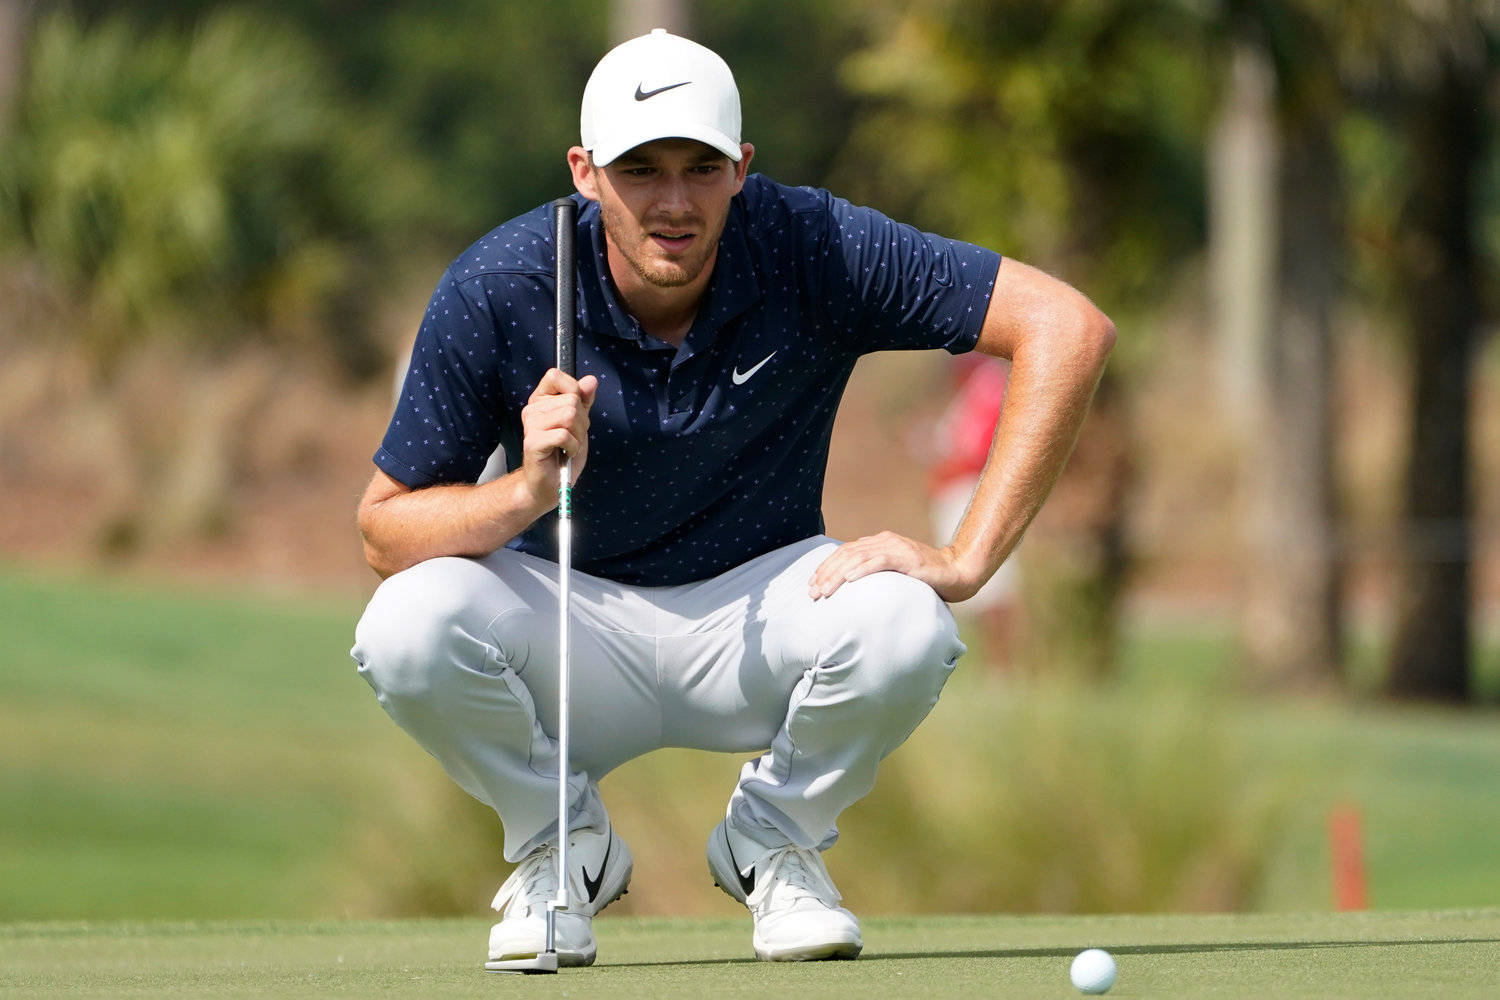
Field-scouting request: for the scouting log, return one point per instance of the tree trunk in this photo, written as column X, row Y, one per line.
column 630, row 18
column 1292, row 621
column 1431, row 654
column 1242, row 158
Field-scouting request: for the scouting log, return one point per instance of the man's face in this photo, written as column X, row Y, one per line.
column 664, row 204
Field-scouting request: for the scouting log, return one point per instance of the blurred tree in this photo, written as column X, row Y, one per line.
column 206, row 185
column 1291, row 624
column 1425, row 74
column 1058, row 131
column 1430, row 71
column 479, row 98
column 1061, row 133
column 629, row 18
column 208, row 189
column 787, row 59
column 490, row 92
column 12, row 28
column 484, row 96
column 1242, row 194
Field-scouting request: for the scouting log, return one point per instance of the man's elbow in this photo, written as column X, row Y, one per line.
column 1098, row 336
column 379, row 557
column 380, row 561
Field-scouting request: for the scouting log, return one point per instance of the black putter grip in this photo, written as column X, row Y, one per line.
column 564, row 217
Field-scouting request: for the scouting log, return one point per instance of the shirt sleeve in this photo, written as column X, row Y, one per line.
column 889, row 286
column 447, row 419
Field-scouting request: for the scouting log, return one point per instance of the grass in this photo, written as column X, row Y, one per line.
column 1448, row 954
column 1421, row 776
column 170, row 753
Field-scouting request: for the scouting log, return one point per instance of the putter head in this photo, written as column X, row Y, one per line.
column 544, row 962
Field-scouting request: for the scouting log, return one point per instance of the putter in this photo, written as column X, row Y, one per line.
column 564, row 215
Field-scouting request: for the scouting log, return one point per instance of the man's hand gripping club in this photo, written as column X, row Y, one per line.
column 555, row 419
column 402, row 526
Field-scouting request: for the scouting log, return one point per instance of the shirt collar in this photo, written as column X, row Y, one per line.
column 733, row 288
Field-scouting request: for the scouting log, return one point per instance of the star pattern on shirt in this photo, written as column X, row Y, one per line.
column 688, row 474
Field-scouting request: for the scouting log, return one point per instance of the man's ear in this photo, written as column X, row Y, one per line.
column 581, row 165
column 742, row 168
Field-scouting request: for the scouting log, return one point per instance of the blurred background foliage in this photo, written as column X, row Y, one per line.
column 1066, row 133
column 219, row 223
column 213, row 185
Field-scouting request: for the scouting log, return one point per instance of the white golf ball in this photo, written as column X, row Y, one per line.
column 1093, row 971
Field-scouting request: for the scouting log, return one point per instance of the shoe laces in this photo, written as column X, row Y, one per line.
column 792, row 874
column 532, row 884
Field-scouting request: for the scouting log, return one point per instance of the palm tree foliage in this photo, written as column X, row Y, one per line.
column 211, row 183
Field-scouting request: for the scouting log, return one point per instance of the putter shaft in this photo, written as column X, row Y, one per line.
column 564, row 670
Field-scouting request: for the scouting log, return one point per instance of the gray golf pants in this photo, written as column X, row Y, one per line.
column 462, row 653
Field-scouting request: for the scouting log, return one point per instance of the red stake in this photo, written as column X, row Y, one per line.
column 1346, row 848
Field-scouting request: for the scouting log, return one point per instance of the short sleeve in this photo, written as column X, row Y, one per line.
column 447, row 419
column 889, row 286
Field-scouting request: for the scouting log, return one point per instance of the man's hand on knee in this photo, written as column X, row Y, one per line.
column 939, row 568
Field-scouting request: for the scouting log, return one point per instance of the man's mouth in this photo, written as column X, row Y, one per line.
column 670, row 240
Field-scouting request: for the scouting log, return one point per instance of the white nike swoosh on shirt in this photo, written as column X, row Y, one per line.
column 740, row 378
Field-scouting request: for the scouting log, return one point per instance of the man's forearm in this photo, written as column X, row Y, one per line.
column 1057, row 342
column 1046, row 401
column 403, row 528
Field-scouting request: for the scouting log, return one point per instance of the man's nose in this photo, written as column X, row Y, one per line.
column 672, row 195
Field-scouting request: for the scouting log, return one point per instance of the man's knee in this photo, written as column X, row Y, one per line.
column 404, row 643
column 901, row 633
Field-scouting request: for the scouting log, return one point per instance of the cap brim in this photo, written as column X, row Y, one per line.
column 608, row 151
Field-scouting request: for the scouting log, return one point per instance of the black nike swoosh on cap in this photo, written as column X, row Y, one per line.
column 592, row 884
column 642, row 95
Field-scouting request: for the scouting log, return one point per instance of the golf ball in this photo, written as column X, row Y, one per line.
column 1093, row 971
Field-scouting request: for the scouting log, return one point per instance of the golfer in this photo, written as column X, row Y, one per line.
column 719, row 317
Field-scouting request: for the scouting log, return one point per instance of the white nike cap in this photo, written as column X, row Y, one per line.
column 659, row 86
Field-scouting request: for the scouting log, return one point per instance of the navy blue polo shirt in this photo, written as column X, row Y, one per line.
column 702, row 456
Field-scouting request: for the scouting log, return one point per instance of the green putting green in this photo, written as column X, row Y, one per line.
column 1446, row 953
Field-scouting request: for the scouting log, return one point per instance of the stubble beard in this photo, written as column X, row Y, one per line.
column 637, row 251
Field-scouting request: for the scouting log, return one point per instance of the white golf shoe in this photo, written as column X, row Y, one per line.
column 792, row 900
column 599, row 867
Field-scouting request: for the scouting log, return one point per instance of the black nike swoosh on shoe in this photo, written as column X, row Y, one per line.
column 747, row 882
column 591, row 885
column 646, row 95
